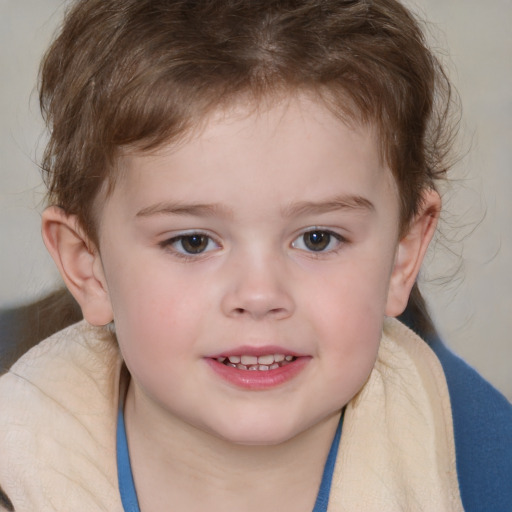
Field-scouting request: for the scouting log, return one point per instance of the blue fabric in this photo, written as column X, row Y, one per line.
column 322, row 498
column 482, row 424
column 127, row 485
column 124, row 468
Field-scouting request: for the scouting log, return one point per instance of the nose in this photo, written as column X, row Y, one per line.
column 258, row 289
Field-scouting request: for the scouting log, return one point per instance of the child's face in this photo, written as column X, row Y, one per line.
column 270, row 232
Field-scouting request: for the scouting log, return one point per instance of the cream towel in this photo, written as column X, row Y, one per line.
column 58, row 424
column 397, row 449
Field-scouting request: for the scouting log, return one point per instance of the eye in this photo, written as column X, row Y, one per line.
column 191, row 244
column 317, row 240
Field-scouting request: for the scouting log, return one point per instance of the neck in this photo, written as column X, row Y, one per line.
column 176, row 463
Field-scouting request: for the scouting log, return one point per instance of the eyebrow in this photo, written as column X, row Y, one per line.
column 350, row 202
column 198, row 210
column 292, row 210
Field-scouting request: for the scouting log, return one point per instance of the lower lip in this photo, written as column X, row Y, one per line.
column 259, row 379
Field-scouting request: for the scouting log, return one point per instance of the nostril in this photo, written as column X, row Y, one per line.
column 253, row 303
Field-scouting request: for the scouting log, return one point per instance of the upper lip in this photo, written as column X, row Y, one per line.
column 251, row 350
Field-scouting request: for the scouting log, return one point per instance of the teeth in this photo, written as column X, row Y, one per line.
column 266, row 360
column 261, row 363
column 249, row 360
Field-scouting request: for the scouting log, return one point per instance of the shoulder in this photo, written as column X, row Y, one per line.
column 482, row 422
column 57, row 427
column 72, row 366
column 78, row 343
column 397, row 446
column 482, row 429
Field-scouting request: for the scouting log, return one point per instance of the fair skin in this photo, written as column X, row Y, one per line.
column 270, row 231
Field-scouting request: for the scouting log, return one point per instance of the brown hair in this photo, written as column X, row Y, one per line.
column 139, row 73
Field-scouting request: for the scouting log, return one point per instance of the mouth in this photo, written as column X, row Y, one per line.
column 257, row 369
column 257, row 363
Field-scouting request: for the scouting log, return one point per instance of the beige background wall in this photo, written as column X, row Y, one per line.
column 473, row 307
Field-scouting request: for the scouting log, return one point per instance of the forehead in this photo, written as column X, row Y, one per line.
column 295, row 145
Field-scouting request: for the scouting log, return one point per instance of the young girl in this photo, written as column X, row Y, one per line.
column 240, row 198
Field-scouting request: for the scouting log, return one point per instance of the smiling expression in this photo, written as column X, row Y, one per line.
column 248, row 269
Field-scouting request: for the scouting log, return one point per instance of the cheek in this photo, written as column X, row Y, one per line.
column 352, row 293
column 156, row 312
column 348, row 311
column 352, row 335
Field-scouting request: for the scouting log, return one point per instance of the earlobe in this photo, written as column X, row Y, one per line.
column 411, row 251
column 79, row 263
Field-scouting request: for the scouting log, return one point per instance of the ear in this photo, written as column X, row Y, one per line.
column 79, row 263
column 411, row 251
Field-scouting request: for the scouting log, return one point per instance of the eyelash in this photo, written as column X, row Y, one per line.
column 326, row 236
column 172, row 244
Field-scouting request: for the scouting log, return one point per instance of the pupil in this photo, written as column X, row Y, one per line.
column 194, row 243
column 317, row 240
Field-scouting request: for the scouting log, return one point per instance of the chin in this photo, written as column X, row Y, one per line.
column 279, row 433
column 259, row 439
column 268, row 434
